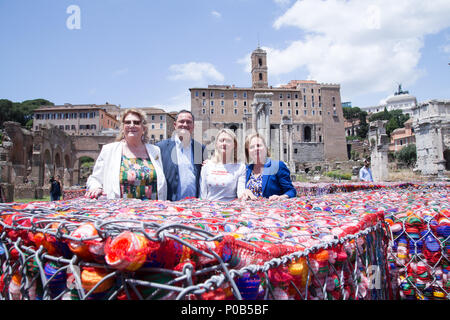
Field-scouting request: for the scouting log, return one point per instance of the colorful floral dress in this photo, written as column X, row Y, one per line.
column 138, row 179
column 254, row 184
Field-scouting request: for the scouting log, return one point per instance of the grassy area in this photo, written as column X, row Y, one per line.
column 406, row 175
column 301, row 178
column 339, row 175
column 46, row 198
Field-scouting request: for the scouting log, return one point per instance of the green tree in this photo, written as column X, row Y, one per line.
column 383, row 115
column 400, row 116
column 352, row 113
column 5, row 110
column 407, row 155
column 21, row 112
column 363, row 125
column 355, row 113
column 396, row 119
column 391, row 125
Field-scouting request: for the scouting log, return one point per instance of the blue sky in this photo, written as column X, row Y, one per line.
column 143, row 53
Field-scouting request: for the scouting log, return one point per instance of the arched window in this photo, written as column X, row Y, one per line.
column 260, row 77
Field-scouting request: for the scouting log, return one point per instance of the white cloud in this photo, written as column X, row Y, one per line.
column 365, row 45
column 216, row 14
column 195, row 71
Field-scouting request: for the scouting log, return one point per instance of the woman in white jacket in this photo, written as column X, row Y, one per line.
column 129, row 167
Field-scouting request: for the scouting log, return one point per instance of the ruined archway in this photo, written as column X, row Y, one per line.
column 85, row 167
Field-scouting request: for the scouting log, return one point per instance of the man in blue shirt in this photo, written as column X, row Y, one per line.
column 365, row 174
column 182, row 159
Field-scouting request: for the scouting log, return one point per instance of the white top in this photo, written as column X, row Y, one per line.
column 222, row 182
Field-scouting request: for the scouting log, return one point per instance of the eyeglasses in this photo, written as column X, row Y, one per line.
column 135, row 122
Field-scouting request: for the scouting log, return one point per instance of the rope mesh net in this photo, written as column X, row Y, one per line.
column 333, row 246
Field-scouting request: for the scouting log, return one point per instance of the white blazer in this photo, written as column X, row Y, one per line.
column 106, row 171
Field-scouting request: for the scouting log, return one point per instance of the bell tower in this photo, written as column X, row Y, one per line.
column 259, row 68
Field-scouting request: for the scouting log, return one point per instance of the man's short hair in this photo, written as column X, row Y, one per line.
column 184, row 111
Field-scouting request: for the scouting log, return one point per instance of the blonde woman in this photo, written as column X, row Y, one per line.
column 130, row 167
column 222, row 177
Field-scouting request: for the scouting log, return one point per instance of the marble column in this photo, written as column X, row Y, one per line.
column 267, row 125
column 379, row 150
column 254, row 117
column 291, row 146
column 281, row 142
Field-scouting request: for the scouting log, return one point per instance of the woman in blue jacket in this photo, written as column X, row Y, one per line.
column 265, row 177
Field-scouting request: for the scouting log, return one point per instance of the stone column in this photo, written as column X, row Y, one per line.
column 440, row 162
column 243, row 137
column 6, row 172
column 254, row 117
column 67, row 178
column 267, row 125
column 291, row 148
column 379, row 144
column 76, row 176
column 281, row 142
column 260, row 115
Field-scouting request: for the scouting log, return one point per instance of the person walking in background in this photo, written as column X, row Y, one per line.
column 222, row 177
column 182, row 159
column 130, row 167
column 365, row 174
column 55, row 189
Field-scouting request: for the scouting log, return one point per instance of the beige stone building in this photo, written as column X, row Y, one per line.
column 79, row 120
column 311, row 110
column 94, row 120
column 160, row 123
column 401, row 137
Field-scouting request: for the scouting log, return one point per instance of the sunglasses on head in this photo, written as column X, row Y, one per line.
column 135, row 122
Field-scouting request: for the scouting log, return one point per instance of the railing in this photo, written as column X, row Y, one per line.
column 132, row 249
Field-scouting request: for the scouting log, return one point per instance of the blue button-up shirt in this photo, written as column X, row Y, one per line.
column 365, row 174
column 187, row 184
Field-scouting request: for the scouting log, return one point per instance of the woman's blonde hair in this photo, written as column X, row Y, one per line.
column 247, row 145
column 216, row 156
column 142, row 116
